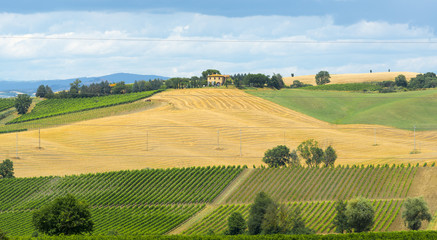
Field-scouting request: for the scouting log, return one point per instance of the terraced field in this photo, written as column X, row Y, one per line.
column 202, row 127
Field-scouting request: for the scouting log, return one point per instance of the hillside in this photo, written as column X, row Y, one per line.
column 400, row 109
column 201, row 127
column 352, row 77
column 195, row 200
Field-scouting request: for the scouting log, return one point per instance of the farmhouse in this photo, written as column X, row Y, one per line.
column 217, row 79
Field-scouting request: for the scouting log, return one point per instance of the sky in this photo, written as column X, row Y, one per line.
column 59, row 39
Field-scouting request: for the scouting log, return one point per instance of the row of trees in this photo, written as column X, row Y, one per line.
column 309, row 150
column 358, row 215
column 77, row 89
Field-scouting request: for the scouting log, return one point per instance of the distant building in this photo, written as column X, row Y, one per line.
column 217, row 79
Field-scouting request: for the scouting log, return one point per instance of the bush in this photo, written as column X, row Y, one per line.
column 22, row 103
column 7, row 169
column 65, row 215
column 236, row 224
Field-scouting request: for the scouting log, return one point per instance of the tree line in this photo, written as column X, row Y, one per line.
column 309, row 150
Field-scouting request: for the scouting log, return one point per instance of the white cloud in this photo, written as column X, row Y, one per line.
column 45, row 58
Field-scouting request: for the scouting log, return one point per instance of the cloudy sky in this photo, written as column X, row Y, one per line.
column 56, row 39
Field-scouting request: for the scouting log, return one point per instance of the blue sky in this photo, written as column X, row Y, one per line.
column 71, row 38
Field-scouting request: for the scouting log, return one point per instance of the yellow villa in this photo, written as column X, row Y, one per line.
column 217, row 79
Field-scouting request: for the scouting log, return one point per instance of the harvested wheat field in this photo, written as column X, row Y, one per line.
column 352, row 78
column 200, row 127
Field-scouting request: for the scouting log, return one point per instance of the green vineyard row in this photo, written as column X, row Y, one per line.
column 133, row 220
column 317, row 216
column 316, row 184
column 6, row 103
column 154, row 186
column 55, row 107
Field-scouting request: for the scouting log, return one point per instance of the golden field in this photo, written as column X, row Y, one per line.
column 200, row 127
column 352, row 78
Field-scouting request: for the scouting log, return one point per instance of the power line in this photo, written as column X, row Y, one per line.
column 220, row 40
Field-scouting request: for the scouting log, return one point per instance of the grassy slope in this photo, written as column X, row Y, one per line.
column 401, row 110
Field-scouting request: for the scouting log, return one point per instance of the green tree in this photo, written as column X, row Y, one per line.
column 297, row 223
column 401, row 81
column 256, row 80
column 7, row 169
column 323, row 77
column 310, row 151
column 65, row 215
column 257, row 211
column 41, row 91
column 329, row 157
column 22, row 103
column 270, row 223
column 135, row 87
column 119, row 88
column 275, row 81
column 236, row 224
column 278, row 156
column 360, row 215
column 74, row 88
column 415, row 211
column 49, row 92
column 340, row 219
column 208, row 72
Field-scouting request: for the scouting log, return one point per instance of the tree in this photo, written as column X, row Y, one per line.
column 275, row 81
column 329, row 157
column 22, row 103
column 297, row 223
column 270, row 224
column 278, row 156
column 401, row 81
column 7, row 169
column 74, row 88
column 65, row 215
column 256, row 80
column 415, row 211
column 41, row 91
column 310, row 151
column 208, row 72
column 340, row 219
column 119, row 88
column 257, row 212
column 49, row 92
column 360, row 215
column 135, row 87
column 236, row 224
column 323, row 77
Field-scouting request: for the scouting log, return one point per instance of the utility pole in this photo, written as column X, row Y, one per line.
column 147, row 141
column 241, row 154
column 16, row 145
column 414, row 137
column 39, row 138
column 218, row 139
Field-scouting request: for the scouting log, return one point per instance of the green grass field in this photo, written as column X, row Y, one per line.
column 401, row 110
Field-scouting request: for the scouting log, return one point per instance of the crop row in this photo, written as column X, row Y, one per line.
column 134, row 220
column 6, row 103
column 153, row 186
column 317, row 216
column 311, row 184
column 55, row 107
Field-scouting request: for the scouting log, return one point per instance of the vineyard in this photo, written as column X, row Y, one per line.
column 128, row 202
column 346, row 87
column 321, row 184
column 55, row 107
column 6, row 103
column 317, row 216
column 157, row 201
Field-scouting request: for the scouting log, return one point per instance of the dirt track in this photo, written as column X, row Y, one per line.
column 199, row 127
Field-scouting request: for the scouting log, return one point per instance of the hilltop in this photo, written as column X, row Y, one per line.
column 352, row 77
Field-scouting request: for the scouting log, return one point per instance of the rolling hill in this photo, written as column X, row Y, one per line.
column 352, row 78
column 202, row 127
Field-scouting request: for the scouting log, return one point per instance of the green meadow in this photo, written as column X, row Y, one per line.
column 400, row 109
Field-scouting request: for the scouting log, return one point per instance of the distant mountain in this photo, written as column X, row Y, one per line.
column 12, row 88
